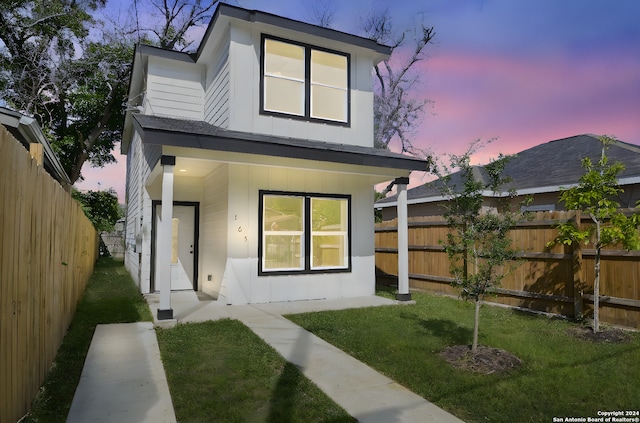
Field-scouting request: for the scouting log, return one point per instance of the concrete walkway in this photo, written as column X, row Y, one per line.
column 123, row 379
column 364, row 393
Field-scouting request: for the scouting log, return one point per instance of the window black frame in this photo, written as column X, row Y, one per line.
column 307, row 270
column 307, row 82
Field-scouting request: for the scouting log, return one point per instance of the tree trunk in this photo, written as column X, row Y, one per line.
column 596, row 293
column 476, row 323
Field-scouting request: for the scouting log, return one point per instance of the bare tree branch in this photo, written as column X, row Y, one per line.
column 395, row 113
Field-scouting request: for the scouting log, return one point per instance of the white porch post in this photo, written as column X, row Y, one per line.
column 163, row 269
column 403, row 241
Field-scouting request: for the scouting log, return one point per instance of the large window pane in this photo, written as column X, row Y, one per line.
column 283, row 226
column 328, row 86
column 329, row 225
column 284, row 77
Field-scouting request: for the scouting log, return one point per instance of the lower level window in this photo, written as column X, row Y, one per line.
column 304, row 232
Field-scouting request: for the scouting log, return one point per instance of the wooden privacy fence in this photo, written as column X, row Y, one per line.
column 554, row 280
column 48, row 249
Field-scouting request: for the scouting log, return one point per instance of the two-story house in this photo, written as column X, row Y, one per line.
column 250, row 163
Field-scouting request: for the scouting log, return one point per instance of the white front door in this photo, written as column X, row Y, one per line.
column 182, row 246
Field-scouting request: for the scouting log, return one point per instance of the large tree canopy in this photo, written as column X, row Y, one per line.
column 74, row 86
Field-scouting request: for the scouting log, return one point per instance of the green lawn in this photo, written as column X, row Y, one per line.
column 110, row 297
column 560, row 375
column 222, row 372
column 217, row 371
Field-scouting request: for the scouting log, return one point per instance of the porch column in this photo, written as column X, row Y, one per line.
column 403, row 241
column 164, row 241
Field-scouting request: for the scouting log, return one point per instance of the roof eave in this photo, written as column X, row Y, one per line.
column 252, row 144
column 235, row 12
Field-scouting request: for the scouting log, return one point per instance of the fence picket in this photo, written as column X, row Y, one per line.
column 41, row 226
column 546, row 279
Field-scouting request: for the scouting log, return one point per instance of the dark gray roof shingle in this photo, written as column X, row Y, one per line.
column 553, row 164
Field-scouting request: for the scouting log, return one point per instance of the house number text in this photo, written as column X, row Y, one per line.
column 235, row 217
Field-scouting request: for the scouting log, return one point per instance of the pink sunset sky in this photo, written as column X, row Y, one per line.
column 522, row 71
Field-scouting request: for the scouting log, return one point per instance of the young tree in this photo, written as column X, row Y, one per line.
column 477, row 244
column 595, row 196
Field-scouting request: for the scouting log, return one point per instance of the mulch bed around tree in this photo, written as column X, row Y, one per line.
column 610, row 335
column 486, row 360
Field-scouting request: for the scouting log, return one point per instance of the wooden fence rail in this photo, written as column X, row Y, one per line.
column 554, row 280
column 47, row 252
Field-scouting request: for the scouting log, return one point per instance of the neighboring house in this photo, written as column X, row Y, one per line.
column 541, row 172
column 27, row 131
column 250, row 165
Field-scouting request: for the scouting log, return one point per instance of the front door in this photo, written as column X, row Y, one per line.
column 183, row 245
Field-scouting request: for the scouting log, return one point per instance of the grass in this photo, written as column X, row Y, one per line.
column 217, row 371
column 110, row 297
column 561, row 376
column 222, row 371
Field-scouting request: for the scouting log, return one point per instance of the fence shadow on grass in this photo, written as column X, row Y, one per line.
column 448, row 331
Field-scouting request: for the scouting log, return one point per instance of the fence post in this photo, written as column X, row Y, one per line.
column 577, row 272
column 37, row 152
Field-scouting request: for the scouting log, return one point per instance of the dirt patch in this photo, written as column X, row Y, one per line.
column 486, row 360
column 609, row 335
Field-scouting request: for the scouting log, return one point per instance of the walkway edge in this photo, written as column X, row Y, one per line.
column 123, row 379
column 364, row 393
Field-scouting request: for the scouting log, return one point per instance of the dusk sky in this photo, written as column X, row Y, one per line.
column 523, row 71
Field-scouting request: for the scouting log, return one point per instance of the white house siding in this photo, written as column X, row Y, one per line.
column 213, row 231
column 244, row 56
column 241, row 271
column 216, row 106
column 138, row 227
column 174, row 89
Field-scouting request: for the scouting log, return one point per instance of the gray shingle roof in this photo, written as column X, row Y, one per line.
column 198, row 134
column 553, row 164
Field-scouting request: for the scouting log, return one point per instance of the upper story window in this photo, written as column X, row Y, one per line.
column 300, row 80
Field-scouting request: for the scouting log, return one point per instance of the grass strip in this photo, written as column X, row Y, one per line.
column 221, row 371
column 561, row 376
column 110, row 297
